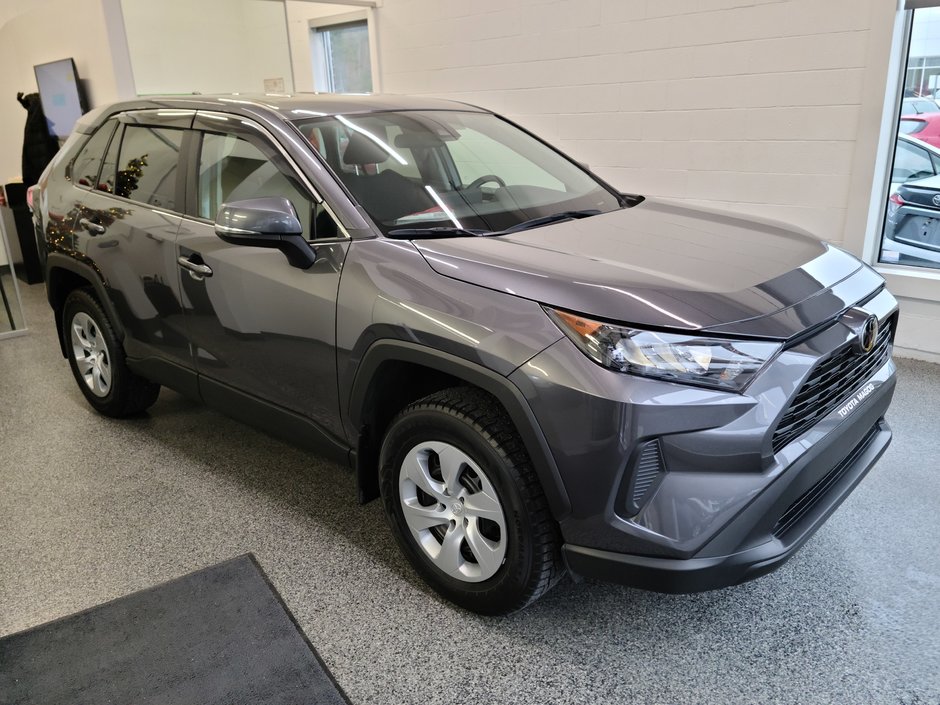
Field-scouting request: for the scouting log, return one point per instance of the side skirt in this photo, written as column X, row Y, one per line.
column 274, row 420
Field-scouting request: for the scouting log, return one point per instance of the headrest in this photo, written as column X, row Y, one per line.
column 360, row 150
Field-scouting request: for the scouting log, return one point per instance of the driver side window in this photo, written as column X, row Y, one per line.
column 233, row 169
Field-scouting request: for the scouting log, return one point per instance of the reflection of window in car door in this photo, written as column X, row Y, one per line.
column 232, row 168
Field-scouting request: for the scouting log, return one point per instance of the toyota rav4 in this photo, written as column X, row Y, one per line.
column 535, row 372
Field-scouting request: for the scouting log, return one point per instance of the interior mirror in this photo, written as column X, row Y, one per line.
column 266, row 222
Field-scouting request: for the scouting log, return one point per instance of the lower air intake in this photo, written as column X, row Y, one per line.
column 647, row 469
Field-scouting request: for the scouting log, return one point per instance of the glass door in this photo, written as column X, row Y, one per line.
column 911, row 228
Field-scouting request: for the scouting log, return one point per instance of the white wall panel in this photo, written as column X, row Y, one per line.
column 47, row 31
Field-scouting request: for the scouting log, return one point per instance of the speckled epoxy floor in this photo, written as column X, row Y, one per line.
column 91, row 509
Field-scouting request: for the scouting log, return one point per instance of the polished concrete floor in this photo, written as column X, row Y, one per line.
column 91, row 509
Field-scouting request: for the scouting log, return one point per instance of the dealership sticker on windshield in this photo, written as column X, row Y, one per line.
column 853, row 403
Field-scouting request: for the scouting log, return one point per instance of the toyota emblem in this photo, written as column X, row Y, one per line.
column 864, row 327
column 936, row 200
column 868, row 335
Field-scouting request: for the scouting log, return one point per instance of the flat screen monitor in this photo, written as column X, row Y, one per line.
column 63, row 100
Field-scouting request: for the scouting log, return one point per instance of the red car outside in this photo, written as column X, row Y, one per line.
column 925, row 127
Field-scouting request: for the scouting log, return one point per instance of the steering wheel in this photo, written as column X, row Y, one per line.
column 486, row 178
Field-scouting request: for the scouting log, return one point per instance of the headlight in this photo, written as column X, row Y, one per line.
column 712, row 362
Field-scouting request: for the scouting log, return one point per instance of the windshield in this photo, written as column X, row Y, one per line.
column 451, row 169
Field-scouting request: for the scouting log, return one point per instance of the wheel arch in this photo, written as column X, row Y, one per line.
column 381, row 388
column 65, row 274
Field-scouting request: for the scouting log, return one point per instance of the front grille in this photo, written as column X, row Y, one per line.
column 828, row 385
column 808, row 499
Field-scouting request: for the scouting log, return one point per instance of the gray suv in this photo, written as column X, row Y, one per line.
column 535, row 372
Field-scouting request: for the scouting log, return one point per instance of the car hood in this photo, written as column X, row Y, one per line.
column 662, row 264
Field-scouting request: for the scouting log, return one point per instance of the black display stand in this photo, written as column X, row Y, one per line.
column 30, row 271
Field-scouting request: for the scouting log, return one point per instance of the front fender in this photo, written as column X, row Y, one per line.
column 500, row 387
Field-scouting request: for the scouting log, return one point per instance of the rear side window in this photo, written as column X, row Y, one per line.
column 148, row 165
column 88, row 162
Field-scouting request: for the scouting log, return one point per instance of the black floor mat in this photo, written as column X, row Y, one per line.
column 220, row 635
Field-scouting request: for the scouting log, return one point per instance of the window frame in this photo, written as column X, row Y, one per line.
column 147, row 117
column 317, row 51
column 904, row 281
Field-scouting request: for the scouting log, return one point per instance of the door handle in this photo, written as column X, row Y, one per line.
column 196, row 270
column 92, row 227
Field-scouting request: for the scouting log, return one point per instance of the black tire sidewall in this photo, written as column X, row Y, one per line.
column 425, row 424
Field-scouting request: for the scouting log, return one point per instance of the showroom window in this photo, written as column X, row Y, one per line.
column 150, row 156
column 911, row 226
column 342, row 59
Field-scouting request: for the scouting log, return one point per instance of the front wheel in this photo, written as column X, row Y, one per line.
column 96, row 357
column 465, row 504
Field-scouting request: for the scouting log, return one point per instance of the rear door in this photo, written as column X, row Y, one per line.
column 129, row 216
column 260, row 328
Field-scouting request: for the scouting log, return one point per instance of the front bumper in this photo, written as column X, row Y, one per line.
column 708, row 573
column 726, row 500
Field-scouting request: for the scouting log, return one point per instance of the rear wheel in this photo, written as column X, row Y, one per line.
column 465, row 504
column 97, row 359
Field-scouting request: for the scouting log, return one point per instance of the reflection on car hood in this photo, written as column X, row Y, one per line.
column 661, row 264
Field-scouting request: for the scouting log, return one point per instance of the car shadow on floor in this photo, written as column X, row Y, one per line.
column 325, row 492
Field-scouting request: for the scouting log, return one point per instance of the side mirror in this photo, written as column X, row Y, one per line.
column 265, row 222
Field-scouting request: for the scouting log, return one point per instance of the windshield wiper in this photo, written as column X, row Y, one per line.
column 450, row 231
column 431, row 233
column 546, row 219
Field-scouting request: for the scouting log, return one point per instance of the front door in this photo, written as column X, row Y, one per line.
column 259, row 327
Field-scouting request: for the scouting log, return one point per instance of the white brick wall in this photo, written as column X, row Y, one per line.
column 753, row 105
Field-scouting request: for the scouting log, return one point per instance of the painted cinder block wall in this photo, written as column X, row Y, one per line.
column 751, row 104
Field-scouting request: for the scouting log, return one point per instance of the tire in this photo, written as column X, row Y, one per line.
column 465, row 505
column 96, row 357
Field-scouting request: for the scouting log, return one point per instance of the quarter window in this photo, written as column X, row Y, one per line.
column 108, row 175
column 148, row 165
column 88, row 162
